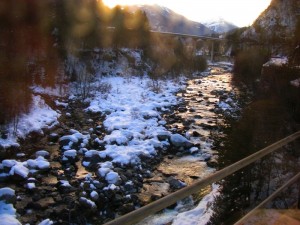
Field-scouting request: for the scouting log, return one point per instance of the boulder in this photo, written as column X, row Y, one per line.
column 88, row 204
column 7, row 195
column 180, row 141
column 163, row 135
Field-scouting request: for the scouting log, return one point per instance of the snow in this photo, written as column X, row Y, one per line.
column 88, row 202
column 40, row 116
column 7, row 191
column 23, row 168
column 58, row 91
column 133, row 119
column 112, row 177
column 39, row 163
column 8, row 219
column 70, row 153
column 30, row 186
column 46, row 222
column 296, row 83
column 65, row 183
column 42, row 153
column 276, row 61
column 20, row 170
column 179, row 140
column 94, row 195
column 201, row 214
column 7, row 211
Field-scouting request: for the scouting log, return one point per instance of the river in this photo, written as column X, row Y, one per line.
column 206, row 100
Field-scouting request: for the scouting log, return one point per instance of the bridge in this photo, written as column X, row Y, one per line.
column 187, row 35
column 156, row 206
column 182, row 35
column 197, row 37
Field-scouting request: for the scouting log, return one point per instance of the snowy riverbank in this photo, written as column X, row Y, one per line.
column 115, row 154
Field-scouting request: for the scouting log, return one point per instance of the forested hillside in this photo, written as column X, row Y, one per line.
column 39, row 36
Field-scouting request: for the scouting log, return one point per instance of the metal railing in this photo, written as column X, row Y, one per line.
column 154, row 207
column 293, row 180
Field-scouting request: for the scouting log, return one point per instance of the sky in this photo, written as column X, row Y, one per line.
column 240, row 12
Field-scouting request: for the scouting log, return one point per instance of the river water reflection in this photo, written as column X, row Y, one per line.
column 205, row 101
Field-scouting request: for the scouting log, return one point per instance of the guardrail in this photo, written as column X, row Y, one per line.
column 293, row 180
column 154, row 207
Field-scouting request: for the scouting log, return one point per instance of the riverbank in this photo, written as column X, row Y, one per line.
column 95, row 157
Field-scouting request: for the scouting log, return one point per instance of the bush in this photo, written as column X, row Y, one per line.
column 248, row 64
column 200, row 63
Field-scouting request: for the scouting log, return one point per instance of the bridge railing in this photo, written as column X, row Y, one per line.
column 253, row 212
column 156, row 206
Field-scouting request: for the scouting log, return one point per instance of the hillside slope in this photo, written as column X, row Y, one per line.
column 276, row 24
column 166, row 20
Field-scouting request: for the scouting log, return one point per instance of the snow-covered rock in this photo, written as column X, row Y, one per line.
column 112, row 177
column 88, row 203
column 7, row 194
column 46, row 222
column 8, row 219
column 180, row 141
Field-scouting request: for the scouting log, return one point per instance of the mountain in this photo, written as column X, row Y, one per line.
column 166, row 20
column 220, row 26
column 277, row 22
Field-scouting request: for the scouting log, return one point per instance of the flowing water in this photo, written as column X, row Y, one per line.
column 201, row 116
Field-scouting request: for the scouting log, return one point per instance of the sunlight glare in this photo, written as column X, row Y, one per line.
column 239, row 12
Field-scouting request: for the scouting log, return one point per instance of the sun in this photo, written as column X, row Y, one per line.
column 113, row 3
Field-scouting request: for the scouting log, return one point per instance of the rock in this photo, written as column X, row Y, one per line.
column 179, row 141
column 46, row 222
column 39, row 163
column 192, row 110
column 19, row 171
column 212, row 162
column 176, row 184
column 45, row 203
column 88, row 204
column 163, row 135
column 127, row 208
column 195, row 134
column 65, row 140
column 129, row 187
column 42, row 153
column 70, row 155
column 94, row 196
column 182, row 109
column 53, row 137
column 194, row 150
column 8, row 195
column 206, row 156
column 208, row 126
column 112, row 177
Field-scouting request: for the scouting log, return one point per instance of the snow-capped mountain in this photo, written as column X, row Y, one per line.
column 166, row 20
column 278, row 21
column 220, row 26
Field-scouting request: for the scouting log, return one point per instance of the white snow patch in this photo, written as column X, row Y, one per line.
column 133, row 119
column 8, row 219
column 7, row 191
column 46, row 222
column 7, row 211
column 40, row 116
column 276, row 61
column 201, row 214
column 296, row 83
column 112, row 177
column 70, row 153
